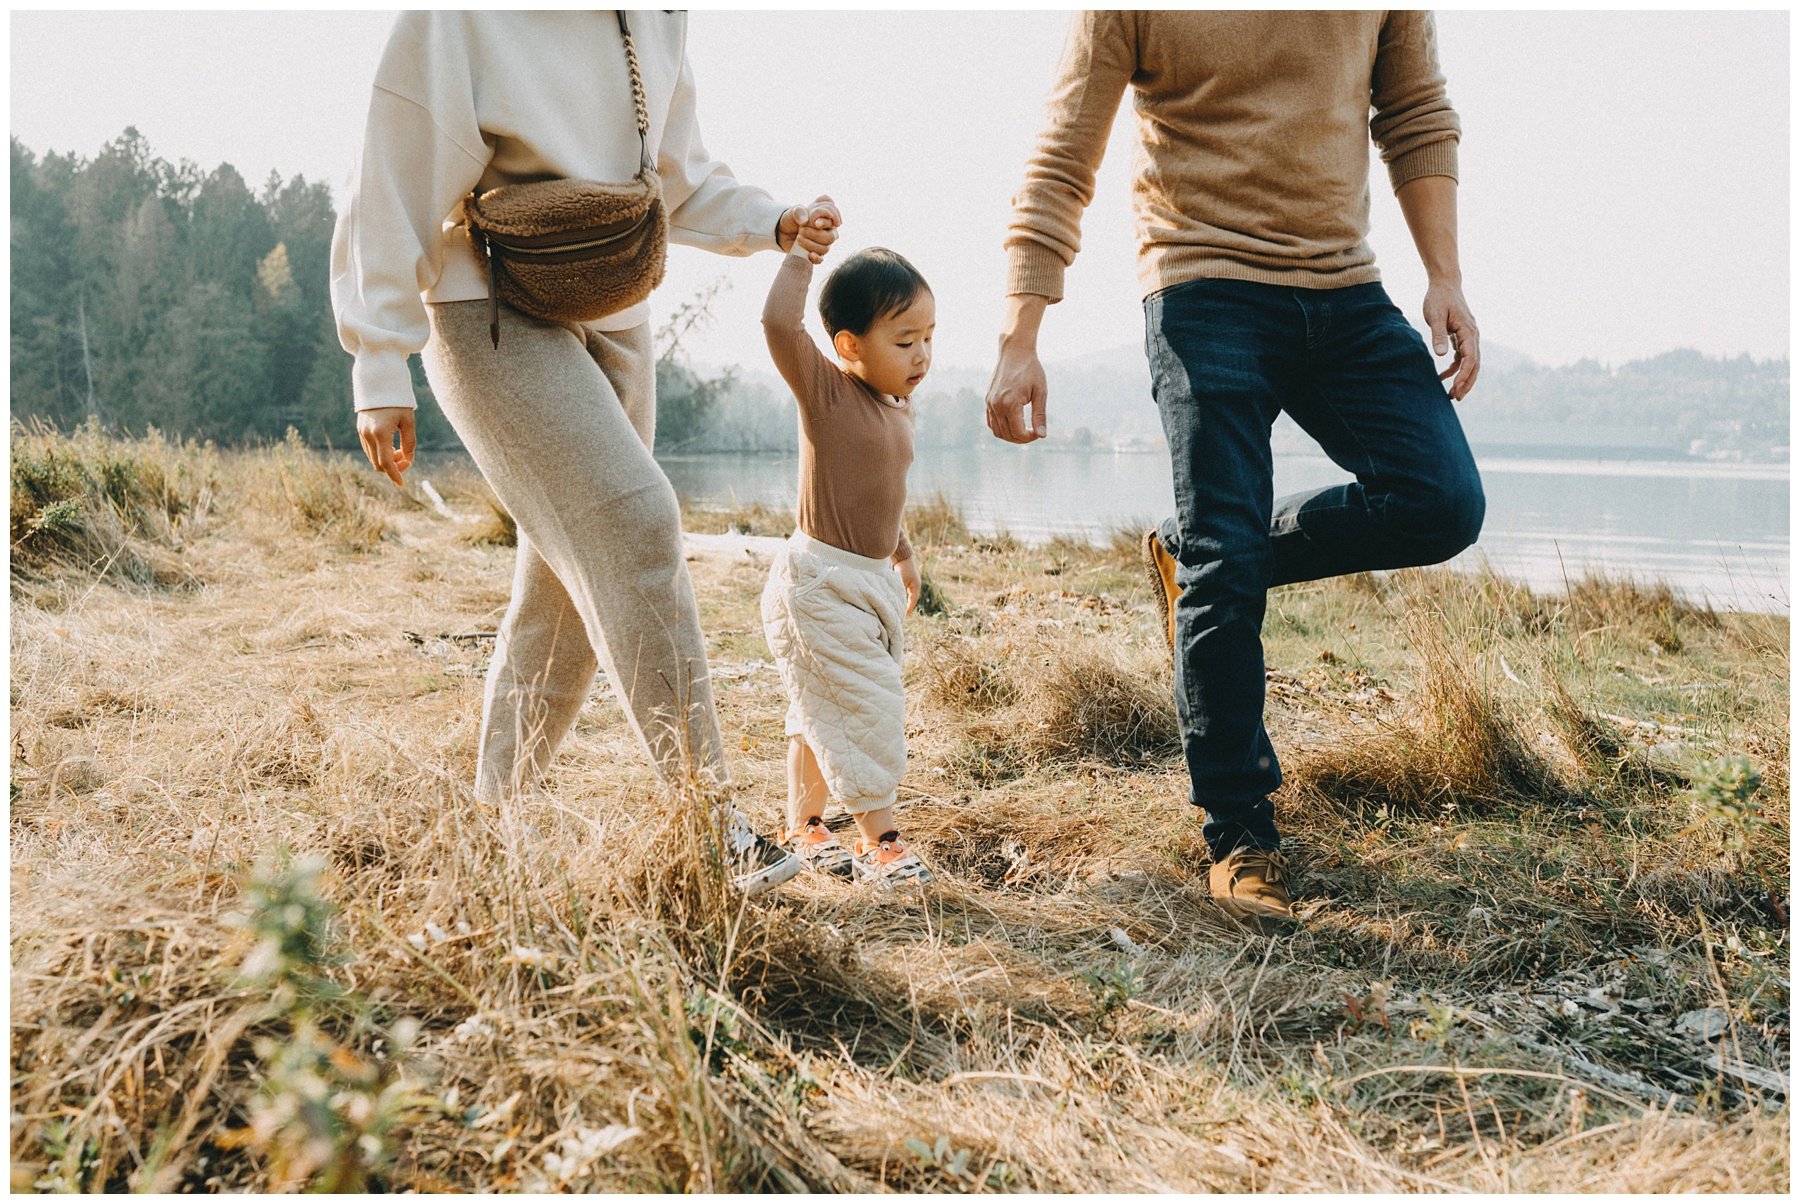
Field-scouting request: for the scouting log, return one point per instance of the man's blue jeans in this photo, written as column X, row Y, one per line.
column 1227, row 356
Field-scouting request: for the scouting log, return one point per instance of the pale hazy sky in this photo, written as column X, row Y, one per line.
column 1624, row 174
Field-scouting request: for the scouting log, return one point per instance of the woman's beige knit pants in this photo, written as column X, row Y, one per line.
column 561, row 419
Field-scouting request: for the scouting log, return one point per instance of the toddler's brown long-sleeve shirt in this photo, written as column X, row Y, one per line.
column 855, row 443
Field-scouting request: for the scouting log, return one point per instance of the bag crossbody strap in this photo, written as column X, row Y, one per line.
column 637, row 94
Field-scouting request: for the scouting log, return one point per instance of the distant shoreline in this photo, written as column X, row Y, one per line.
column 1507, row 458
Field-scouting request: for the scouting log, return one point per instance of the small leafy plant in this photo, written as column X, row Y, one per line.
column 1724, row 793
column 1113, row 987
column 953, row 1163
column 327, row 1113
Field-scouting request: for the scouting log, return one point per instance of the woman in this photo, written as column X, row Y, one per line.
column 560, row 419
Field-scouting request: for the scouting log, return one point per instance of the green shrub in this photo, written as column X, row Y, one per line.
column 92, row 502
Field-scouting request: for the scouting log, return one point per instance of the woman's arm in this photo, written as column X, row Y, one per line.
column 422, row 152
column 709, row 207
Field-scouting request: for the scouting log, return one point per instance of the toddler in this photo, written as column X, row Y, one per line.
column 839, row 587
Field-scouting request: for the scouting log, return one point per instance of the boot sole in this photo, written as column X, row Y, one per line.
column 1158, row 590
column 1263, row 921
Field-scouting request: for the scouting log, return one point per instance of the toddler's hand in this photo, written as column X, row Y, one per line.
column 810, row 229
column 911, row 578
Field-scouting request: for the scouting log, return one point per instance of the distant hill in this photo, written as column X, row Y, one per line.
column 1676, row 405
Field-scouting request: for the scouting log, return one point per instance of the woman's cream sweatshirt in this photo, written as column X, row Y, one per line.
column 469, row 100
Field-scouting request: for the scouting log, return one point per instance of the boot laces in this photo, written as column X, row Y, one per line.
column 1272, row 864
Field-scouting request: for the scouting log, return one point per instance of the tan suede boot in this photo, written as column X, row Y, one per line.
column 1161, row 567
column 1252, row 884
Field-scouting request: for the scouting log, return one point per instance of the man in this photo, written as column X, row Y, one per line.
column 1261, row 295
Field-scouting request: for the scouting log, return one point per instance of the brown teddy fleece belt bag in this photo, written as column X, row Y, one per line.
column 574, row 250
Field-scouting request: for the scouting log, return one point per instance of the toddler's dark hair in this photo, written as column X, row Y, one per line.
column 867, row 287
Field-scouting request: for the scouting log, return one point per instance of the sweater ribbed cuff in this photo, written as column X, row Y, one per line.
column 1034, row 269
column 380, row 379
column 1432, row 159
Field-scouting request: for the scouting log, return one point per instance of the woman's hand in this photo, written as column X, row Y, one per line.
column 376, row 429
column 911, row 579
column 810, row 228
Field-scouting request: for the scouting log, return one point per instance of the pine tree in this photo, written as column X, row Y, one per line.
column 46, row 374
column 325, row 414
column 228, row 233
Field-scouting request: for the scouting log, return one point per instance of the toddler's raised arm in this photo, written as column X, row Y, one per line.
column 798, row 359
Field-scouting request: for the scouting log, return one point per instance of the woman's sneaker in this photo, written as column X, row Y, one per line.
column 817, row 849
column 889, row 863
column 756, row 864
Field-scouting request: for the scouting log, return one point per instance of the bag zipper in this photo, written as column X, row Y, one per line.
column 533, row 247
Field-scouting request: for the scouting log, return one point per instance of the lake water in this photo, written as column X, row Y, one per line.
column 1716, row 532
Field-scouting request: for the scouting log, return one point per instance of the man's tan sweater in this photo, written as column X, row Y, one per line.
column 1253, row 142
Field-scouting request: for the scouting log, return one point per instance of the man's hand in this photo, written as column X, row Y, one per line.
column 1018, row 393
column 1429, row 206
column 810, row 229
column 1453, row 326
column 376, row 429
column 1016, row 397
column 911, row 579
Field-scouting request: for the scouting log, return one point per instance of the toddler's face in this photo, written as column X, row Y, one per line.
column 896, row 349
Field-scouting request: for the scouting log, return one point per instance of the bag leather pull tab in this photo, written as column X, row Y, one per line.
column 493, row 302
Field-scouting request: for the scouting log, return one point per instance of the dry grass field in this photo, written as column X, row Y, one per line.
column 264, row 938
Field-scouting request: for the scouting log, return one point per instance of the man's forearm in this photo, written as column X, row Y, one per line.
column 1429, row 203
column 1019, row 326
column 1429, row 206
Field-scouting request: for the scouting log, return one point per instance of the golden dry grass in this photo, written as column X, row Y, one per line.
column 1512, row 892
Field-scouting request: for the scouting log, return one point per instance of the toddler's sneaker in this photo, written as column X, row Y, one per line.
column 817, row 848
column 889, row 863
column 756, row 864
